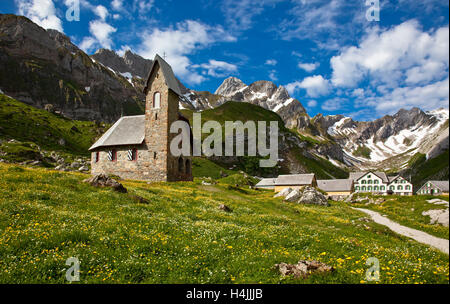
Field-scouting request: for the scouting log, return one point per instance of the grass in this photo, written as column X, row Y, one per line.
column 181, row 236
column 363, row 152
column 407, row 210
column 34, row 126
column 423, row 170
column 202, row 167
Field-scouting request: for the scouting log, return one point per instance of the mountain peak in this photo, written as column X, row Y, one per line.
column 230, row 86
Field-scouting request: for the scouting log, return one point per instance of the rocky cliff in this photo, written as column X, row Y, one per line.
column 43, row 67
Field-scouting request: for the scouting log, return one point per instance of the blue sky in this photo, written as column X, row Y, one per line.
column 325, row 52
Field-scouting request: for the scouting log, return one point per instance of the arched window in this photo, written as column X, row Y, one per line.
column 400, row 188
column 382, row 188
column 375, row 188
column 408, row 187
column 369, row 181
column 363, row 188
column 369, row 188
column 392, row 187
column 157, row 100
column 180, row 165
column 188, row 166
column 363, row 182
column 357, row 188
column 376, row 181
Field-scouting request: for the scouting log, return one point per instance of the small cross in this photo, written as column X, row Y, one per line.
column 164, row 55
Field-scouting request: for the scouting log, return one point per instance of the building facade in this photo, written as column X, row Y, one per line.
column 138, row 147
column 380, row 183
column 336, row 187
column 295, row 181
column 434, row 188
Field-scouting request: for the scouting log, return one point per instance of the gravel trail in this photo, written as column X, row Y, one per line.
column 419, row 236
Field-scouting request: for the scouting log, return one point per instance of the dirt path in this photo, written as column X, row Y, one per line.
column 419, row 236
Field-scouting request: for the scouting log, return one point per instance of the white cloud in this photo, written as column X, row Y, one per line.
column 177, row 43
column 271, row 62
column 312, row 103
column 427, row 97
column 309, row 67
column 333, row 104
column 217, row 69
column 101, row 11
column 403, row 53
column 41, row 12
column 315, row 86
column 101, row 36
column 117, row 5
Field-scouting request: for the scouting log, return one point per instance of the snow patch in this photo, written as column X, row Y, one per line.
column 282, row 105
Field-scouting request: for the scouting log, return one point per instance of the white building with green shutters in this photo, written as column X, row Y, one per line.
column 379, row 183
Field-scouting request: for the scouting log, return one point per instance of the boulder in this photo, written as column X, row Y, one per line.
column 284, row 192
column 313, row 197
column 225, row 208
column 83, row 169
column 75, row 165
column 293, row 196
column 103, row 180
column 303, row 268
column 140, row 200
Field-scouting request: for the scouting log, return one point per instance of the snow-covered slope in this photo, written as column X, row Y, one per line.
column 405, row 133
column 266, row 95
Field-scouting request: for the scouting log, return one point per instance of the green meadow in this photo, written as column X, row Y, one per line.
column 181, row 236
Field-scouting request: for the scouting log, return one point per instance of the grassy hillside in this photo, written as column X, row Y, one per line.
column 242, row 111
column 31, row 126
column 421, row 170
column 181, row 236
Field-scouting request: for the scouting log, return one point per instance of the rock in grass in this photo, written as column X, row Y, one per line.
column 284, row 192
column 140, row 200
column 303, row 268
column 103, row 180
column 293, row 196
column 313, row 197
column 83, row 169
column 225, row 208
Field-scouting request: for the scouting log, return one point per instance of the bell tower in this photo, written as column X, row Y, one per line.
column 161, row 110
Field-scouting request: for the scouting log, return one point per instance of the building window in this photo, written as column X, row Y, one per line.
column 363, row 182
column 132, row 155
column 363, row 188
column 157, row 100
column 408, row 187
column 154, row 155
column 369, row 176
column 97, row 157
column 400, row 188
column 357, row 188
column 188, row 167
column 180, row 165
column 392, row 188
column 112, row 155
column 376, row 181
column 382, row 188
column 369, row 188
column 375, row 188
